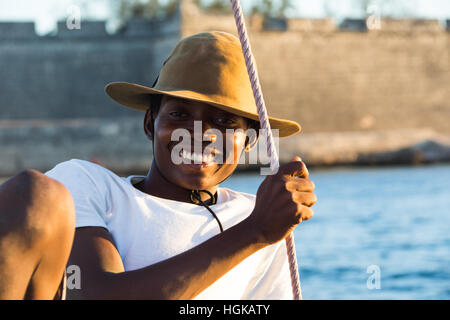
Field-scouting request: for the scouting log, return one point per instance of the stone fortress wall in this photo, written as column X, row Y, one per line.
column 53, row 106
column 344, row 78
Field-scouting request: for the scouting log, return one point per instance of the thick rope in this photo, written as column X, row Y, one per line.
column 265, row 125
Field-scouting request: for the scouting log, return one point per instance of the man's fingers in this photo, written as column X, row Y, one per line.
column 295, row 169
column 303, row 214
column 306, row 213
column 299, row 184
column 305, row 198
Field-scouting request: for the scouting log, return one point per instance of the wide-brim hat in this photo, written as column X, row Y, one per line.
column 207, row 67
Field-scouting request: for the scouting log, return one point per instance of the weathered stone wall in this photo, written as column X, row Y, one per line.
column 53, row 106
column 63, row 76
column 331, row 80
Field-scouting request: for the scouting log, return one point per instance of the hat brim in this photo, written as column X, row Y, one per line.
column 136, row 96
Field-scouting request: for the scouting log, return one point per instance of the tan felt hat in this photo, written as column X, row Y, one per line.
column 208, row 67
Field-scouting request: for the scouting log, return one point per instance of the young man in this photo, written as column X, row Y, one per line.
column 173, row 234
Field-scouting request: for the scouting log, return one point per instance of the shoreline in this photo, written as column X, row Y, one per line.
column 311, row 168
column 122, row 147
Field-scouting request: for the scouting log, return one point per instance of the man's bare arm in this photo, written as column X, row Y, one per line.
column 181, row 277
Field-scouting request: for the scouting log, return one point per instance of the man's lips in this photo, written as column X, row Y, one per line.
column 203, row 159
column 190, row 156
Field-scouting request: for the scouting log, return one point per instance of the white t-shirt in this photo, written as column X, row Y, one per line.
column 148, row 229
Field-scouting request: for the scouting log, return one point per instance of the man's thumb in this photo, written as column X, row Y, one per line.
column 304, row 171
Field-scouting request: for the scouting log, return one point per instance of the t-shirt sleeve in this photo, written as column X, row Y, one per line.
column 83, row 183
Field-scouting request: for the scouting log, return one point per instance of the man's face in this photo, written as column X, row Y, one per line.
column 197, row 170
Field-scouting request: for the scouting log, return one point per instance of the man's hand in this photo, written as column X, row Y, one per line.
column 283, row 201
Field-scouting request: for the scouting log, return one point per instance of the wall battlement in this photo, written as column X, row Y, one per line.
column 90, row 29
column 194, row 17
column 17, row 30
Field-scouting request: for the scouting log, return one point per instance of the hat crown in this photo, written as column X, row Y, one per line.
column 209, row 64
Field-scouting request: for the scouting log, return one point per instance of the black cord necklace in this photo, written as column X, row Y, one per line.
column 196, row 198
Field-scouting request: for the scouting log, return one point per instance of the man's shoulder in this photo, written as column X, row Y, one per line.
column 77, row 169
column 78, row 164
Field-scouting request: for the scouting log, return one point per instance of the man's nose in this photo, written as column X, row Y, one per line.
column 211, row 137
column 202, row 131
column 209, row 134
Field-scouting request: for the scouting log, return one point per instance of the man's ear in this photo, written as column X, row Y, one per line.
column 148, row 123
column 252, row 139
column 250, row 143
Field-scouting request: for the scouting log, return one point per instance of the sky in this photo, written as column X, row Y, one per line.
column 46, row 12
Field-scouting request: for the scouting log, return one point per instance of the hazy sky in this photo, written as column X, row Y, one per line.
column 46, row 12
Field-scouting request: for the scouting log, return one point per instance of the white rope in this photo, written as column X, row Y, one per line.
column 265, row 125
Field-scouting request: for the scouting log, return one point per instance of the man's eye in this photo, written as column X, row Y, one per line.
column 225, row 121
column 177, row 114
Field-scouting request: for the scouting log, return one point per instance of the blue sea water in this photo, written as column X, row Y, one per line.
column 377, row 233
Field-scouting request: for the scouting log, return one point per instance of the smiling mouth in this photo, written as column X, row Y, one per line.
column 197, row 160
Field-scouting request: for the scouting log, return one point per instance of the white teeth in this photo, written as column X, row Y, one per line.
column 208, row 158
column 196, row 157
